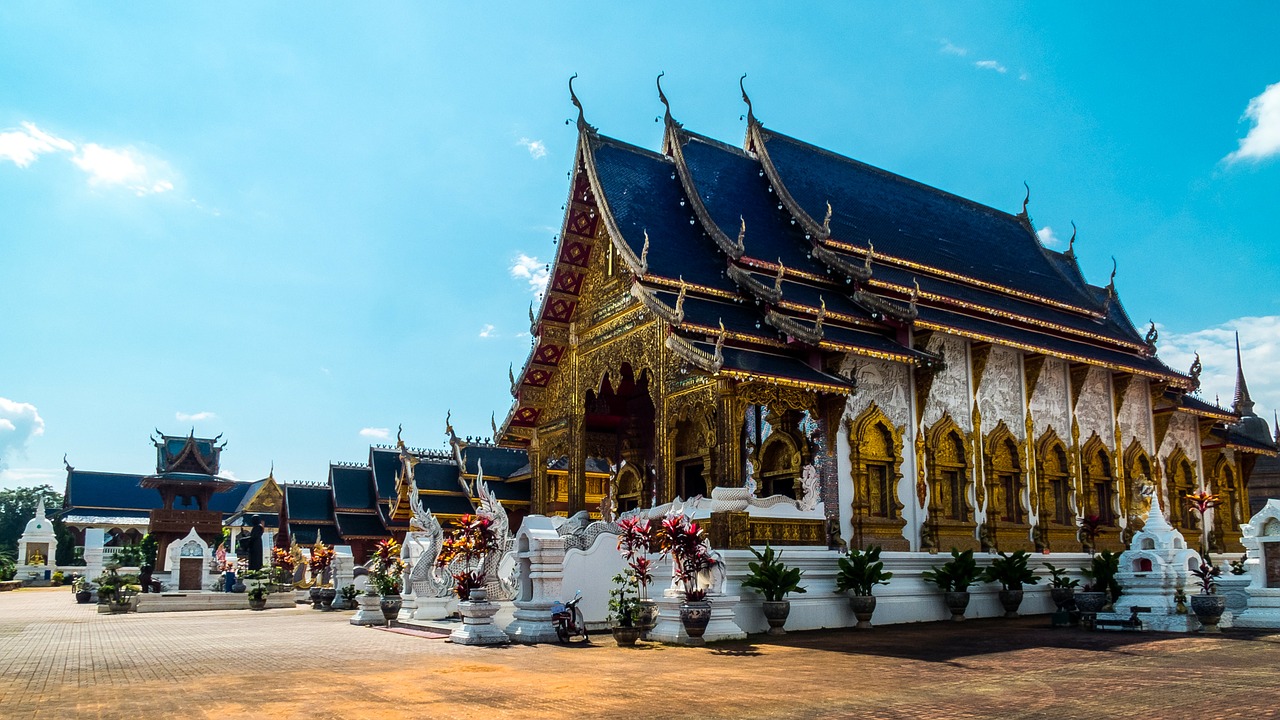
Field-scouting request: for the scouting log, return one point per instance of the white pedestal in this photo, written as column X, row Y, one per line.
column 477, row 625
column 435, row 608
column 1235, row 588
column 369, row 611
column 1263, row 610
column 302, row 597
column 532, row 624
column 408, row 604
column 669, row 629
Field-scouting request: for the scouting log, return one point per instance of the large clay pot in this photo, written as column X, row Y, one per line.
column 776, row 612
column 258, row 603
column 957, row 602
column 1089, row 604
column 626, row 636
column 1011, row 600
column 695, row 616
column 648, row 616
column 326, row 598
column 863, row 607
column 390, row 605
column 314, row 594
column 1063, row 597
column 84, row 596
column 1208, row 610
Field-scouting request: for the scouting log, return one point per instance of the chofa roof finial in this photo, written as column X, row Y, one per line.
column 583, row 125
column 742, row 234
column 1111, row 286
column 1152, row 334
column 666, row 118
column 826, row 221
column 1071, row 244
column 751, row 118
column 1026, row 200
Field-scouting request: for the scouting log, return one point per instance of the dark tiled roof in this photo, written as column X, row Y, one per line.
column 306, row 534
column 357, row 525
column 385, row 463
column 352, row 487
column 229, row 501
column 497, row 462
column 308, row 503
column 907, row 219
column 436, row 475
column 109, row 490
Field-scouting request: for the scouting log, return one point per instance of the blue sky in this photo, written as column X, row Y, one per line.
column 298, row 223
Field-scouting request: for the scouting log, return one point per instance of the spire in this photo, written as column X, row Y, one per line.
column 1243, row 405
column 1276, row 418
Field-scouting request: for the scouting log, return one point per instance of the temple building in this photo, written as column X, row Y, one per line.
column 185, row 492
column 361, row 504
column 776, row 315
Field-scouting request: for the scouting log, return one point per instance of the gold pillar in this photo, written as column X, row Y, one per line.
column 728, row 452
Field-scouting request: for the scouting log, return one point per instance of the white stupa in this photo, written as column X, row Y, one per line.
column 39, row 544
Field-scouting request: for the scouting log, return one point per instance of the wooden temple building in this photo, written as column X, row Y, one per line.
column 741, row 316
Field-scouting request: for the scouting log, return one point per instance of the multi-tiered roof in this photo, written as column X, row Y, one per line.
column 766, row 260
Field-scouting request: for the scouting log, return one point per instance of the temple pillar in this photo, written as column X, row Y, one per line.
column 728, row 450
column 577, row 471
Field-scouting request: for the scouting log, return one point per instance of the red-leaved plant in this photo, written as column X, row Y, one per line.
column 1208, row 576
column 386, row 568
column 469, row 542
column 691, row 556
column 635, row 541
column 1202, row 502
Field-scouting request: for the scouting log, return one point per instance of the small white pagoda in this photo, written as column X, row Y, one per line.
column 1261, row 540
column 37, row 547
column 1152, row 571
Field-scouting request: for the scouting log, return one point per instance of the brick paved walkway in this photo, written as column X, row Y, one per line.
column 62, row 660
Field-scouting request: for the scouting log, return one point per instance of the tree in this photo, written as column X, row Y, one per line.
column 18, row 505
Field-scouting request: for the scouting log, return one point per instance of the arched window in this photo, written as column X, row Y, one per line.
column 1099, row 481
column 1055, row 482
column 1004, row 477
column 629, row 486
column 1182, row 482
column 780, row 465
column 875, row 452
column 950, row 472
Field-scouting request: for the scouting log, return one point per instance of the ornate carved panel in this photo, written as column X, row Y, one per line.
column 1049, row 407
column 1093, row 409
column 1000, row 393
column 1135, row 414
column 881, row 382
column 949, row 393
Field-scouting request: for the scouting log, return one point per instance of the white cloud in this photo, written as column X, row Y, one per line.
column 991, row 65
column 533, row 270
column 1263, row 140
column 372, row 432
column 31, row 477
column 22, row 147
column 19, row 423
column 949, row 49
column 223, row 472
column 195, row 417
column 121, row 167
column 1047, row 237
column 124, row 167
column 486, row 331
column 537, row 149
column 1259, row 352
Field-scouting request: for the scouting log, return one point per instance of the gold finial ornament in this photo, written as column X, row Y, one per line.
column 777, row 281
column 826, row 221
column 742, row 234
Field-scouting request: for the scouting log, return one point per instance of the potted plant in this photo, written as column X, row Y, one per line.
column 1062, row 590
column 1208, row 604
column 1011, row 571
column 385, row 569
column 635, row 541
column 624, row 609
column 115, row 590
column 775, row 581
column 860, row 571
column 1101, row 589
column 348, row 595
column 259, row 591
column 82, row 589
column 691, row 556
column 466, row 548
column 284, row 565
column 953, row 579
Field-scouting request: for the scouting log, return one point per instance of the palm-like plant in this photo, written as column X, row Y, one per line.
column 955, row 575
column 861, row 570
column 771, row 576
column 1011, row 571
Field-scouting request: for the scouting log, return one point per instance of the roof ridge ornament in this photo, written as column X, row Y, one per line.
column 751, row 118
column 667, row 119
column 493, row 424
column 684, row 288
column 583, row 125
column 826, row 221
column 1152, row 335
column 511, row 378
column 1026, row 200
column 915, row 295
column 1071, row 244
column 822, row 315
column 742, row 234
column 777, row 281
column 1111, row 286
column 399, row 432
column 68, row 465
column 644, row 254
